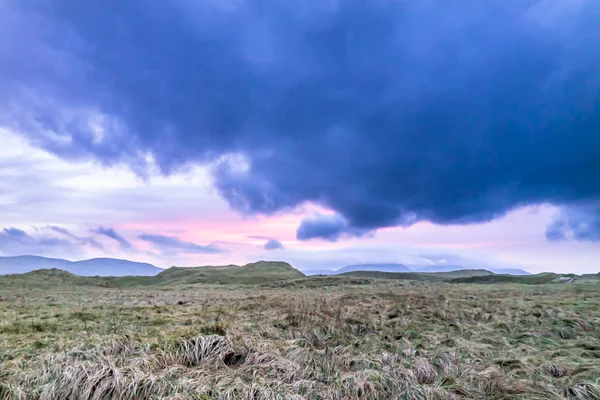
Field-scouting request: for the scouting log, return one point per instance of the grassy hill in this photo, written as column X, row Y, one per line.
column 44, row 279
column 271, row 273
column 93, row 267
column 378, row 339
column 253, row 273
column 463, row 273
column 537, row 279
column 420, row 276
column 412, row 276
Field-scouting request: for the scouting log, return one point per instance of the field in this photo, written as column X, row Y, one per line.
column 350, row 337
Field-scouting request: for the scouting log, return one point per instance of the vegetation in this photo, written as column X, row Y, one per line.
column 341, row 337
column 254, row 273
column 421, row 276
column 537, row 279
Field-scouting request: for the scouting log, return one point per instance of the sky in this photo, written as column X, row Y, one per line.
column 322, row 133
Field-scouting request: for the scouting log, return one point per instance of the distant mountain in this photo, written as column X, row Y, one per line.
column 404, row 268
column 93, row 267
column 375, row 267
column 261, row 272
column 440, row 268
column 509, row 271
column 23, row 264
column 319, row 272
column 409, row 276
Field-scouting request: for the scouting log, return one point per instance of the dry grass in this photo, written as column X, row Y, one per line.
column 384, row 340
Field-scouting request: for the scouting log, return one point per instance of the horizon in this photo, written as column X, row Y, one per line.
column 323, row 134
column 414, row 267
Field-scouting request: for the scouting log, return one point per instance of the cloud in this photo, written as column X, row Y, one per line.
column 258, row 237
column 556, row 231
column 111, row 233
column 62, row 231
column 174, row 245
column 89, row 241
column 338, row 257
column 14, row 241
column 273, row 244
column 385, row 112
column 328, row 227
column 581, row 223
column 37, row 188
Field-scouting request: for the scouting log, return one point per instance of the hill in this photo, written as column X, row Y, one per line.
column 45, row 279
column 439, row 268
column 23, row 264
column 312, row 272
column 253, row 273
column 412, row 276
column 420, row 276
column 112, row 267
column 463, row 273
column 374, row 267
column 510, row 271
column 93, row 267
column 536, row 279
column 416, row 269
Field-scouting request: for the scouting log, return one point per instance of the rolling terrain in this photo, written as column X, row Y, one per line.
column 93, row 267
column 253, row 273
column 179, row 335
column 269, row 272
column 401, row 268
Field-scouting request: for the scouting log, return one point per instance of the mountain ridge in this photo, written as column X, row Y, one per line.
column 106, row 267
column 402, row 268
column 90, row 267
column 254, row 273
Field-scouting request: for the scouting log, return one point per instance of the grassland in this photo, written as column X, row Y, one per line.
column 342, row 337
column 249, row 274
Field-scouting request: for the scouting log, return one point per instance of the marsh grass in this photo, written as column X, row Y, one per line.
column 302, row 340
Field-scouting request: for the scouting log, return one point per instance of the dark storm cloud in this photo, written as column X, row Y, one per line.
column 273, row 244
column 112, row 234
column 174, row 245
column 387, row 112
column 328, row 227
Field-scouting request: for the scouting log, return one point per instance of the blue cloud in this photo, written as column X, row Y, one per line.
column 273, row 244
column 556, row 231
column 386, row 112
column 14, row 241
column 328, row 227
column 580, row 223
column 89, row 241
column 112, row 234
column 174, row 245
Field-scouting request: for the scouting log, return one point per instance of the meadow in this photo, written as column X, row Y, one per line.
column 308, row 338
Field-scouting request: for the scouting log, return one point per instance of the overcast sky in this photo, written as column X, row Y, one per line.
column 322, row 133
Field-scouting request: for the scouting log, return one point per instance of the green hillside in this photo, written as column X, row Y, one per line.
column 463, row 273
column 253, row 273
column 536, row 279
column 420, row 276
column 45, row 278
column 271, row 273
column 411, row 276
